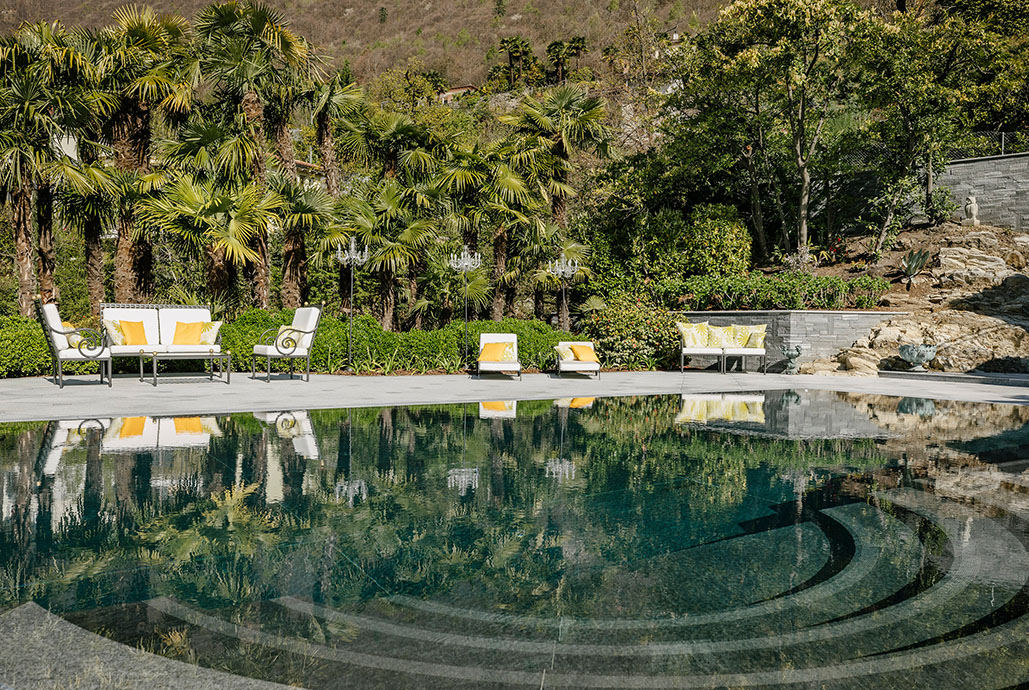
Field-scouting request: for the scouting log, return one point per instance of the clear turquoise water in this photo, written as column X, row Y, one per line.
column 788, row 539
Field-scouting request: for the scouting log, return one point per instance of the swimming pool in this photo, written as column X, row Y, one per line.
column 780, row 538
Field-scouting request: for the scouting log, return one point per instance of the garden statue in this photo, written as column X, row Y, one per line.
column 791, row 355
column 917, row 355
column 971, row 212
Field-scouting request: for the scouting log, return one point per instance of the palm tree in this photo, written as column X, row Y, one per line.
column 138, row 62
column 215, row 221
column 306, row 209
column 559, row 52
column 562, row 122
column 245, row 45
column 332, row 100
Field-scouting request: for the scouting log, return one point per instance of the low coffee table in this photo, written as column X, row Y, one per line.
column 224, row 360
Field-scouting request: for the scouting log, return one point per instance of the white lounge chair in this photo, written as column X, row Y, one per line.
column 294, row 342
column 89, row 344
column 499, row 366
column 577, row 365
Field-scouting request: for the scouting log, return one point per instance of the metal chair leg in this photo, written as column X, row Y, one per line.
column 269, row 379
column 308, row 369
column 110, row 373
column 60, row 374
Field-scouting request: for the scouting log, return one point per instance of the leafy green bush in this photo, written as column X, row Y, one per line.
column 632, row 333
column 24, row 352
column 793, row 290
column 715, row 242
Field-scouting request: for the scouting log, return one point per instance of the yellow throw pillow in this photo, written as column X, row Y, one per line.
column 209, row 334
column 693, row 334
column 720, row 336
column 73, row 338
column 114, row 332
column 564, row 352
column 584, row 353
column 132, row 426
column 750, row 336
column 286, row 338
column 188, row 425
column 134, row 332
column 495, row 406
column 497, row 352
column 188, row 333
column 579, row 403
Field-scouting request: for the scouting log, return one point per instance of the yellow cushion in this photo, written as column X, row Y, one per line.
column 581, row 402
column 134, row 332
column 494, row 406
column 73, row 338
column 720, row 336
column 497, row 352
column 693, row 334
column 750, row 336
column 188, row 333
column 564, row 352
column 286, row 338
column 584, row 353
column 132, row 426
column 188, row 425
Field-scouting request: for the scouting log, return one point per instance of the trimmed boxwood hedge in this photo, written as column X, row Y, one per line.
column 24, row 352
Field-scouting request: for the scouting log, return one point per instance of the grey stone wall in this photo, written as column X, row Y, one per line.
column 819, row 333
column 999, row 183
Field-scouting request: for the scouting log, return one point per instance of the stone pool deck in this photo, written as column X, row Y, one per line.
column 32, row 399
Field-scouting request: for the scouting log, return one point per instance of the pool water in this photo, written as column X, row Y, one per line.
column 772, row 539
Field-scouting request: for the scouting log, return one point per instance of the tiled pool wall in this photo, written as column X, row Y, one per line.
column 818, row 333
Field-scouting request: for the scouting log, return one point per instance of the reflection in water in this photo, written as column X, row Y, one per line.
column 791, row 529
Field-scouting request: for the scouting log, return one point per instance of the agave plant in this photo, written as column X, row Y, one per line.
column 913, row 263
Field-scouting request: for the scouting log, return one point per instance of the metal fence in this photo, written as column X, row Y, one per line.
column 971, row 145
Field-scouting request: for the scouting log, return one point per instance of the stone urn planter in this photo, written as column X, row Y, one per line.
column 917, row 355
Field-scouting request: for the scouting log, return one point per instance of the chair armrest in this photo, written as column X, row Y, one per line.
column 93, row 342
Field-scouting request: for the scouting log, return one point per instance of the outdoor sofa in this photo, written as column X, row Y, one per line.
column 498, row 352
column 70, row 344
column 697, row 339
column 164, row 331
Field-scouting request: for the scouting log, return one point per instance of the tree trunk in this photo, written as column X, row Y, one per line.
column 294, row 269
column 22, row 203
column 413, row 292
column 802, row 211
column 284, row 151
column 259, row 273
column 755, row 206
column 220, row 273
column 538, row 304
column 389, row 300
column 499, row 268
column 930, row 182
column 564, row 320
column 884, row 229
column 330, row 165
column 143, row 269
column 93, row 242
column 46, row 258
column 510, row 294
column 131, row 135
column 344, row 288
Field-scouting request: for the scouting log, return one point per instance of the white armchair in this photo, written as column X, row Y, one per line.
column 290, row 343
column 72, row 345
column 498, row 365
column 575, row 364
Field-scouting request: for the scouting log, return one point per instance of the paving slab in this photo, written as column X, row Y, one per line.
column 30, row 399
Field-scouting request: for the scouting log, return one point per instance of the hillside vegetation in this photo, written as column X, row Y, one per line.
column 454, row 37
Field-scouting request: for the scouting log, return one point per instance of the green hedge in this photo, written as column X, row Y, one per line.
column 780, row 291
column 632, row 333
column 24, row 352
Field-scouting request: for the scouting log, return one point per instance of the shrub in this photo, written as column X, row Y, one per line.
column 24, row 352
column 792, row 290
column 715, row 242
column 633, row 333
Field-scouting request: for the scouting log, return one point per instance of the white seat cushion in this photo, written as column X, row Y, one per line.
column 500, row 366
column 72, row 353
column 167, row 318
column 576, row 365
column 146, row 315
column 702, row 350
column 53, row 320
column 133, row 350
column 198, row 349
column 270, row 351
column 737, row 351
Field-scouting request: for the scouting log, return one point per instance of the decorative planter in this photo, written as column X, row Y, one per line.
column 917, row 355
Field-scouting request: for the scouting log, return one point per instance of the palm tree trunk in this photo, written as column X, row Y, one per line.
column 285, row 152
column 510, row 294
column 46, row 259
column 343, row 285
column 294, row 269
column 389, row 300
column 538, row 304
column 220, row 273
column 258, row 273
column 22, row 203
column 330, row 165
column 130, row 133
column 499, row 268
column 564, row 320
column 93, row 242
column 143, row 269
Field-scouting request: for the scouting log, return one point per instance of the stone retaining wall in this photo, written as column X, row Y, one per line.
column 819, row 333
column 1000, row 185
